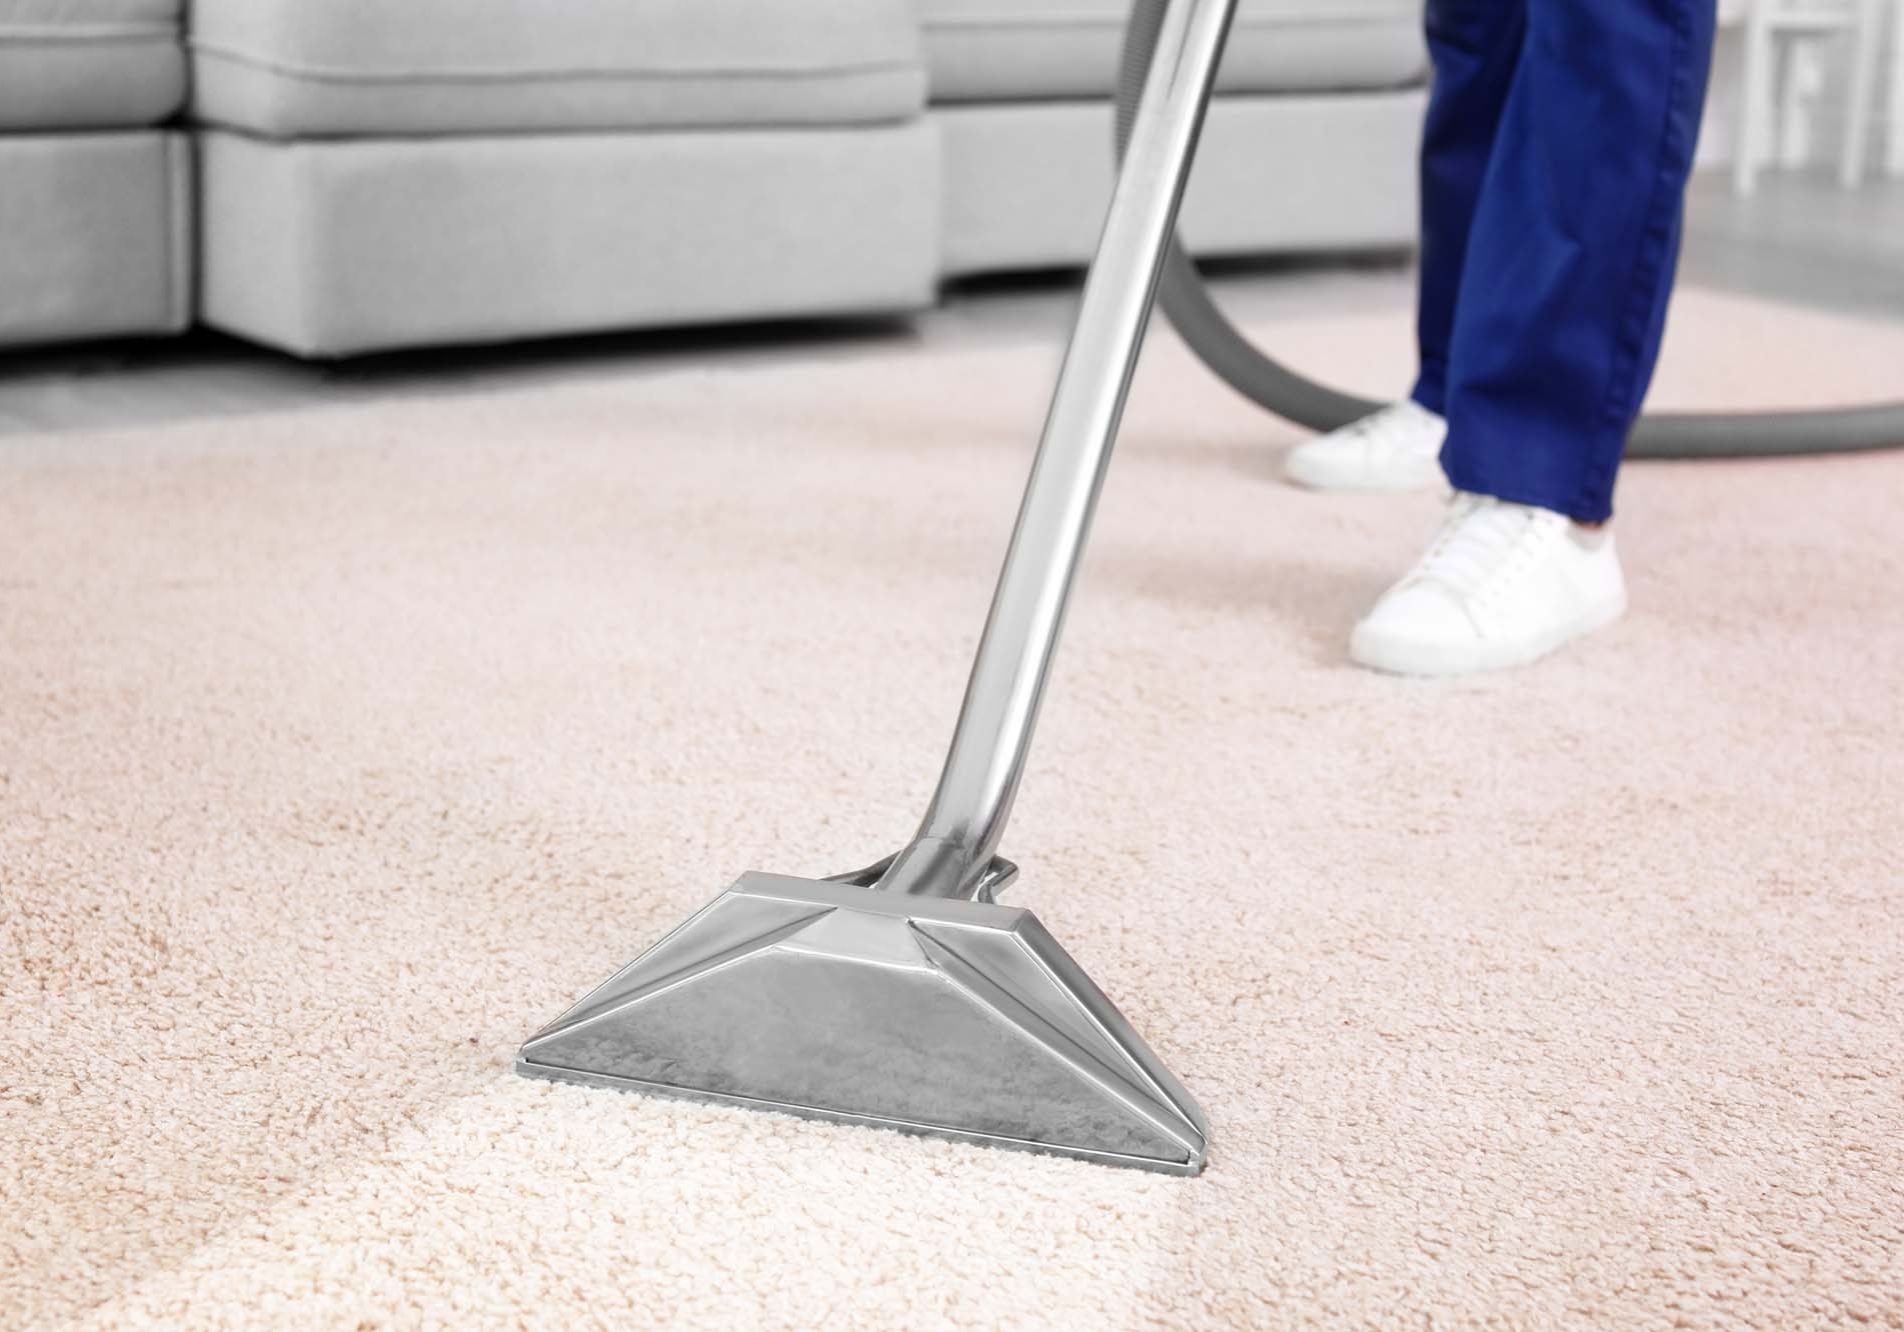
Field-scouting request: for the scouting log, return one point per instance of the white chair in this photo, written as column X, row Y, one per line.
column 1773, row 28
column 1894, row 130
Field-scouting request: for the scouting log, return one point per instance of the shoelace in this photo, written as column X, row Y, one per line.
column 1476, row 543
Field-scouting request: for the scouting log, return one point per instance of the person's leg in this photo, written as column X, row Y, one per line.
column 1563, row 292
column 1557, row 321
column 1474, row 46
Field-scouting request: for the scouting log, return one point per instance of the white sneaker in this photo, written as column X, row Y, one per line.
column 1397, row 448
column 1501, row 585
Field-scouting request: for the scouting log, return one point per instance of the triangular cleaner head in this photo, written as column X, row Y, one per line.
column 955, row 1018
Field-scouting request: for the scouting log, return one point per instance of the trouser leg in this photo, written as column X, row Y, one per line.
column 1475, row 46
column 1571, row 256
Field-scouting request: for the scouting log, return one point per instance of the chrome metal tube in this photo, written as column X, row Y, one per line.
column 963, row 826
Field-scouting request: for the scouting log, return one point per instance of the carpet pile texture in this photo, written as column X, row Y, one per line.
column 341, row 749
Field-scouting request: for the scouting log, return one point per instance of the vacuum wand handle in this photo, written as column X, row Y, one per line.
column 963, row 826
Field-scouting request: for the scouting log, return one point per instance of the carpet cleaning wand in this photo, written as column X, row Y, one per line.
column 904, row 996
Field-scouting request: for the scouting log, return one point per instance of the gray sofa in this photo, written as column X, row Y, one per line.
column 95, row 201
column 374, row 175
column 1310, row 144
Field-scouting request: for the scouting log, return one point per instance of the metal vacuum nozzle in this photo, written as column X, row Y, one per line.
column 961, row 1019
column 904, row 996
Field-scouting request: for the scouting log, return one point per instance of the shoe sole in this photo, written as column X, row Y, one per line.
column 1413, row 659
column 1425, row 476
column 1324, row 484
column 1362, row 487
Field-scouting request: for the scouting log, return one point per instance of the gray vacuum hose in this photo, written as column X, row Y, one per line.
column 1281, row 390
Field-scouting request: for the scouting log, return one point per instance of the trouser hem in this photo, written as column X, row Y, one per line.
column 1463, row 475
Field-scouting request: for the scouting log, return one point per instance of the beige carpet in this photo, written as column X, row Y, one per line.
column 342, row 749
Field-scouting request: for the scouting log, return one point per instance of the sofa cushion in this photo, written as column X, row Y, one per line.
column 333, row 247
column 1027, row 182
column 89, row 64
column 300, row 68
column 997, row 50
column 96, row 236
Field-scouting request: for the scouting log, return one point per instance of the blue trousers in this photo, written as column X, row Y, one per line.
column 1554, row 163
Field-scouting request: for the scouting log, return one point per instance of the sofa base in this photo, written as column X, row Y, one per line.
column 336, row 247
column 95, row 235
column 1027, row 182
